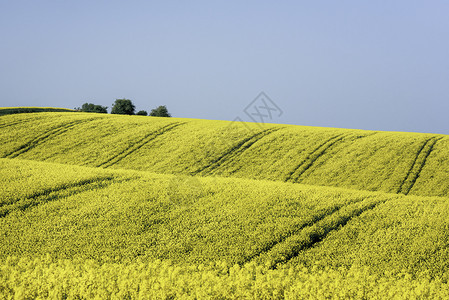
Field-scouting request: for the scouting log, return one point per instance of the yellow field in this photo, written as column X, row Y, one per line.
column 393, row 162
column 143, row 207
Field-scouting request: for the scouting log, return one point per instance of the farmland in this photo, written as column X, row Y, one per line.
column 128, row 206
column 392, row 162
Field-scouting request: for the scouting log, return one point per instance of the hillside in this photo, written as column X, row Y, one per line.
column 393, row 162
column 110, row 206
column 71, row 211
column 105, row 232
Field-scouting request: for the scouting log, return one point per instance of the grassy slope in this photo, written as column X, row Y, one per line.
column 124, row 215
column 408, row 163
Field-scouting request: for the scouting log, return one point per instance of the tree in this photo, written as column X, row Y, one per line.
column 90, row 107
column 160, row 111
column 142, row 113
column 123, row 107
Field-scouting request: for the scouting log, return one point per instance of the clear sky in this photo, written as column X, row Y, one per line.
column 381, row 65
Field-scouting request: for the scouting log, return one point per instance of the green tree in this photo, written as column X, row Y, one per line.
column 123, row 107
column 160, row 111
column 90, row 107
column 142, row 113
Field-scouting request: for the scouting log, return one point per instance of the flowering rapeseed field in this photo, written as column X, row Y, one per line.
column 392, row 162
column 121, row 207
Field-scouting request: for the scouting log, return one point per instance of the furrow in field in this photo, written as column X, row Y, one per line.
column 56, row 193
column 307, row 162
column 22, row 121
column 235, row 151
column 292, row 231
column 290, row 247
column 10, row 124
column 44, row 137
column 315, row 219
column 417, row 166
column 58, row 188
column 148, row 138
column 246, row 146
column 320, row 160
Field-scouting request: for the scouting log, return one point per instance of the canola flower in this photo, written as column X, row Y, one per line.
column 46, row 277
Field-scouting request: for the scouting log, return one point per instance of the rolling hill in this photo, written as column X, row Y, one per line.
column 393, row 162
column 131, row 206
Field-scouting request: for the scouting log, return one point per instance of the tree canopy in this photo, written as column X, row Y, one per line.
column 142, row 113
column 123, row 107
column 160, row 111
column 90, row 107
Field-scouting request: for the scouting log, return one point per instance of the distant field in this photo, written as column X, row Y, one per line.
column 19, row 110
column 115, row 206
column 393, row 162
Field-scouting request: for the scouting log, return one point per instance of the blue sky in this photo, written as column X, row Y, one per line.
column 381, row 65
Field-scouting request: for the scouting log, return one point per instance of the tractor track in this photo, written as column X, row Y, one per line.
column 238, row 149
column 59, row 192
column 322, row 159
column 44, row 137
column 310, row 159
column 418, row 164
column 308, row 236
column 145, row 140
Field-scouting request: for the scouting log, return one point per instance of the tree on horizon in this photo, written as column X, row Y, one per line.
column 160, row 111
column 90, row 107
column 123, row 107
